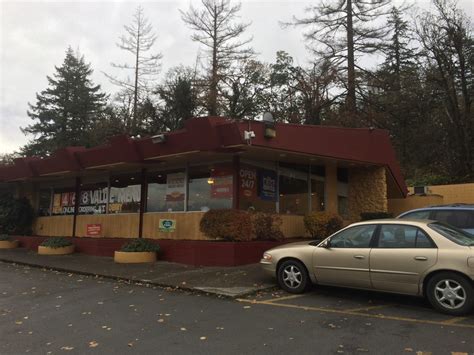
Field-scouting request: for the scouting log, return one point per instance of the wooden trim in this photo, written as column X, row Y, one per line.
column 143, row 200
column 77, row 192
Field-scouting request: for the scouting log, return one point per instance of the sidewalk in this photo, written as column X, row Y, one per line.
column 223, row 281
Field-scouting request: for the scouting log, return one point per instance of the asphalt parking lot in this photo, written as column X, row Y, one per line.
column 364, row 304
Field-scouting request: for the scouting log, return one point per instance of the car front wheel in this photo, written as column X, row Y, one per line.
column 293, row 277
column 450, row 293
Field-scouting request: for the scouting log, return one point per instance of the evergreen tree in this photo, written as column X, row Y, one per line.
column 65, row 112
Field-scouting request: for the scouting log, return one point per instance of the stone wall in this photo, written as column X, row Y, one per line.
column 367, row 191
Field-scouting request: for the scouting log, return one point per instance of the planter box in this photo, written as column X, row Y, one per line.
column 9, row 244
column 126, row 257
column 55, row 251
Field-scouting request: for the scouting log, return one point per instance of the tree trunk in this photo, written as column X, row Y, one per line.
column 214, row 80
column 351, row 85
column 135, row 93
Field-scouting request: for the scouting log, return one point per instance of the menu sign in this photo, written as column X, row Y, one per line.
column 268, row 185
column 175, row 187
column 248, row 182
column 63, row 203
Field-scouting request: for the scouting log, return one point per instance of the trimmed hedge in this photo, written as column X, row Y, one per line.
column 230, row 225
column 322, row 224
column 366, row 216
column 4, row 237
column 267, row 226
column 140, row 245
column 57, row 242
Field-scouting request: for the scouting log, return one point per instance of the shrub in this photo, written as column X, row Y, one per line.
column 365, row 216
column 140, row 245
column 322, row 224
column 16, row 215
column 267, row 226
column 231, row 225
column 57, row 242
column 4, row 237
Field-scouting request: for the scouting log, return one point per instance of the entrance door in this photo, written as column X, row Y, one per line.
column 345, row 261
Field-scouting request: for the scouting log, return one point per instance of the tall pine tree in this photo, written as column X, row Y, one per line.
column 66, row 112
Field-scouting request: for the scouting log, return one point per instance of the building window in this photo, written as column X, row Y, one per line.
column 293, row 190
column 257, row 189
column 166, row 191
column 210, row 187
column 44, row 202
column 93, row 198
column 64, row 200
column 343, row 192
column 125, row 193
column 317, row 195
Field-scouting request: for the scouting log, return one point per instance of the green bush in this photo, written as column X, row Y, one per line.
column 366, row 216
column 4, row 237
column 267, row 226
column 57, row 242
column 225, row 224
column 322, row 224
column 140, row 245
column 16, row 215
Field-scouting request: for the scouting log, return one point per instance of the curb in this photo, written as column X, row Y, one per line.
column 138, row 282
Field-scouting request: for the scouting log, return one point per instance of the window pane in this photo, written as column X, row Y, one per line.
column 166, row 191
column 355, row 237
column 418, row 215
column 210, row 188
column 257, row 189
column 457, row 218
column 125, row 194
column 63, row 201
column 317, row 195
column 44, row 203
column 93, row 198
column 400, row 236
column 293, row 188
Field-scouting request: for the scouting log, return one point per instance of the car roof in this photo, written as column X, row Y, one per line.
column 408, row 221
column 452, row 207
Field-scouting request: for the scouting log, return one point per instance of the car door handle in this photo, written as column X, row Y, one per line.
column 420, row 258
column 359, row 257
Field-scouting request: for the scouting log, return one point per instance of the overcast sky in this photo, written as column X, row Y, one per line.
column 35, row 35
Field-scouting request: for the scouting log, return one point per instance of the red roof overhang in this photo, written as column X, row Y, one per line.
column 217, row 134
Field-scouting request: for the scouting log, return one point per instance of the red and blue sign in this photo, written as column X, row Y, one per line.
column 268, row 185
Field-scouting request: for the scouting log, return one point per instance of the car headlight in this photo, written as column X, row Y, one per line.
column 267, row 257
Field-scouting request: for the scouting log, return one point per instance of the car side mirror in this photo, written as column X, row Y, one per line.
column 326, row 244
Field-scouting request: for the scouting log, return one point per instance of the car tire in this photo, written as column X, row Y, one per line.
column 293, row 276
column 450, row 293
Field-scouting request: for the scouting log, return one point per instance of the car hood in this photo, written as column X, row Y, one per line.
column 291, row 245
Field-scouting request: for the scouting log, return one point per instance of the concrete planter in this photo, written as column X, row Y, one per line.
column 127, row 257
column 9, row 244
column 55, row 251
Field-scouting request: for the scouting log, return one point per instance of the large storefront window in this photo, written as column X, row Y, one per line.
column 64, row 200
column 125, row 193
column 93, row 198
column 257, row 189
column 343, row 192
column 293, row 189
column 44, row 203
column 317, row 195
column 166, row 191
column 210, row 187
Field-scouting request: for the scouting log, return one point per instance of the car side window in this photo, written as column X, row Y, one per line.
column 403, row 236
column 355, row 237
column 417, row 215
column 457, row 218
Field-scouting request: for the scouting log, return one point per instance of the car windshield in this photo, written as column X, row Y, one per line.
column 454, row 234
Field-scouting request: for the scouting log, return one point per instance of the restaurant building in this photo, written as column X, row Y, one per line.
column 159, row 187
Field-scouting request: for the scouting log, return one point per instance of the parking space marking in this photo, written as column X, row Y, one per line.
column 358, row 314
column 368, row 308
column 454, row 320
column 285, row 298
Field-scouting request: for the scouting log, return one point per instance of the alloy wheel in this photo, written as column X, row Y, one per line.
column 450, row 294
column 292, row 276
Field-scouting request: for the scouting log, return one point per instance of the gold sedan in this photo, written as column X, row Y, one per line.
column 413, row 257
